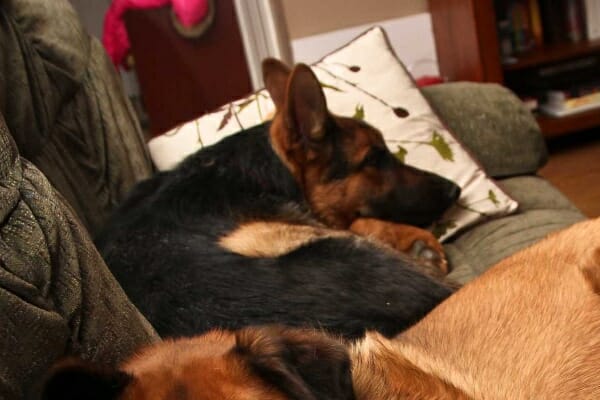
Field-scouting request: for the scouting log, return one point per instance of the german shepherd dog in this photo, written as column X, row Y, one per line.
column 529, row 328
column 254, row 229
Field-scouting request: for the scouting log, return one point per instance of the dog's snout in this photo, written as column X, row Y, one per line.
column 453, row 192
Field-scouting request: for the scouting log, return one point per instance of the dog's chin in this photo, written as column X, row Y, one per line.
column 418, row 219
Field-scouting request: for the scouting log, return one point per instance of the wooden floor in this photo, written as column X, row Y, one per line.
column 574, row 168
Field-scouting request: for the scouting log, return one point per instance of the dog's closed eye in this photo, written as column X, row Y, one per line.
column 374, row 158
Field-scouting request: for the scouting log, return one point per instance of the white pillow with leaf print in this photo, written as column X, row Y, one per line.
column 364, row 79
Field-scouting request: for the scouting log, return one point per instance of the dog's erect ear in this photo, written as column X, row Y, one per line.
column 275, row 76
column 75, row 379
column 303, row 364
column 306, row 106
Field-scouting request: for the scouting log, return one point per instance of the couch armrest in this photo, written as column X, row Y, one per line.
column 57, row 297
column 493, row 124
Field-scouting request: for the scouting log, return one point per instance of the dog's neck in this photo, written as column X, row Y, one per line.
column 381, row 372
column 240, row 168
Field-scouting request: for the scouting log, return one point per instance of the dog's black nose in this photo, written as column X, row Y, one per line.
column 454, row 192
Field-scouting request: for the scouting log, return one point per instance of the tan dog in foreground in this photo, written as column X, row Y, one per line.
column 529, row 328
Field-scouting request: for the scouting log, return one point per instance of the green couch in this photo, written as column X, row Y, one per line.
column 70, row 148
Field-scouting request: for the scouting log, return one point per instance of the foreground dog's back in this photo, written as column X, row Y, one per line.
column 265, row 363
column 529, row 328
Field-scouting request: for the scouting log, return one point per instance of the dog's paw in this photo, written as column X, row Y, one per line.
column 431, row 256
column 418, row 243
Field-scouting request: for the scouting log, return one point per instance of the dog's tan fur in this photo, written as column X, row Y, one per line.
column 381, row 372
column 197, row 368
column 529, row 328
column 400, row 237
column 335, row 202
column 266, row 363
column 275, row 239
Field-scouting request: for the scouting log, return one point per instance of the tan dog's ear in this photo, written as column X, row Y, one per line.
column 275, row 76
column 303, row 364
column 75, row 379
column 306, row 108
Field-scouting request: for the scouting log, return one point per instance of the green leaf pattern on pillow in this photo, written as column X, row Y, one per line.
column 401, row 153
column 359, row 112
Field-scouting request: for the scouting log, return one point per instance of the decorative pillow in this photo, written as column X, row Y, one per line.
column 365, row 80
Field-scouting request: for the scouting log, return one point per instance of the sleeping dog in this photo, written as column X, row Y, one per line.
column 529, row 328
column 255, row 229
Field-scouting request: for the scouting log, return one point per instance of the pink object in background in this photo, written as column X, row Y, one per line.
column 114, row 36
column 428, row 80
column 190, row 12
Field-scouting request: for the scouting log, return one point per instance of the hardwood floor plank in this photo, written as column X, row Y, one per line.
column 574, row 168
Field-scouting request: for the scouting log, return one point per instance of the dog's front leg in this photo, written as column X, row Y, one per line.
column 418, row 243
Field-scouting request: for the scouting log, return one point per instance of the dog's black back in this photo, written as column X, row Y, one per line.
column 162, row 248
column 163, row 243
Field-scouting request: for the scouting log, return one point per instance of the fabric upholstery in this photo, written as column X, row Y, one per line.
column 493, row 124
column 66, row 109
column 57, row 296
column 62, row 108
column 542, row 210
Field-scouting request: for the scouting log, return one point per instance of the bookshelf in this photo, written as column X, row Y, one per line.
column 468, row 47
column 553, row 53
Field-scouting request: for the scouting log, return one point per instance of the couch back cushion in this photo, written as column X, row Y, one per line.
column 57, row 297
column 65, row 107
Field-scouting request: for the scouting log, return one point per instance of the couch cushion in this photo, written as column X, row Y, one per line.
column 493, row 124
column 57, row 296
column 366, row 80
column 542, row 210
column 65, row 107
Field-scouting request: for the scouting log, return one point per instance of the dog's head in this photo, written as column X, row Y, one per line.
column 342, row 164
column 268, row 363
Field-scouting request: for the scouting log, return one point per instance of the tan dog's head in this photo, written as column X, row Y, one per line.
column 342, row 164
column 268, row 363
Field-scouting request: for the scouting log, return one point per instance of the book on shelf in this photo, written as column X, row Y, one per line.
column 524, row 25
column 517, row 28
column 574, row 20
column 561, row 103
column 563, row 20
column 537, row 30
column 592, row 18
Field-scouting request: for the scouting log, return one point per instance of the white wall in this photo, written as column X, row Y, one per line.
column 311, row 17
column 411, row 37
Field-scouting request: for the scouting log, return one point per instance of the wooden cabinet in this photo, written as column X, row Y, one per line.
column 182, row 78
column 468, row 48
